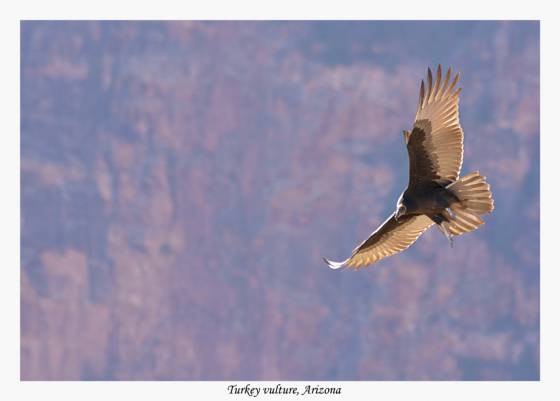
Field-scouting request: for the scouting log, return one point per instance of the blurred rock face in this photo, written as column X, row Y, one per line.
column 181, row 181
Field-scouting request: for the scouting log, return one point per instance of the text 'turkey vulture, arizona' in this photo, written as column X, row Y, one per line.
column 435, row 193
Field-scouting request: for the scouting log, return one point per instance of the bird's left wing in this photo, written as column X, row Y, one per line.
column 390, row 238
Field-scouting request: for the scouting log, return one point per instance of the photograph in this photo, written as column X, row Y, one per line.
column 279, row 200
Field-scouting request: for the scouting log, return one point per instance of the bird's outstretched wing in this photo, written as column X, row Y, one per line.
column 435, row 145
column 390, row 238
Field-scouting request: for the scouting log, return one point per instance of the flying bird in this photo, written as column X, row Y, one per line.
column 435, row 193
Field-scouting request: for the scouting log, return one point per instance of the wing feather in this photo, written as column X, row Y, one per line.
column 435, row 145
column 390, row 238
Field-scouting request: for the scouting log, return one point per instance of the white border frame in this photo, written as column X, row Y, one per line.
column 348, row 9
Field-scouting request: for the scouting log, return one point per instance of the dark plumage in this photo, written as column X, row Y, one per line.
column 435, row 193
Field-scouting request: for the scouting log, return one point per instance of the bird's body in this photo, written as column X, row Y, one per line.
column 427, row 198
column 435, row 193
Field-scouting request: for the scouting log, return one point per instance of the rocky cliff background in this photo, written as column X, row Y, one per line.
column 180, row 182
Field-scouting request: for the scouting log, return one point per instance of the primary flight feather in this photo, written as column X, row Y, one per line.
column 435, row 193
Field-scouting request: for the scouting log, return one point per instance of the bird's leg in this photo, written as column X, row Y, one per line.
column 447, row 234
column 441, row 219
column 450, row 213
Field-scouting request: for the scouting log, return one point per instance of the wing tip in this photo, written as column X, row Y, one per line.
column 334, row 265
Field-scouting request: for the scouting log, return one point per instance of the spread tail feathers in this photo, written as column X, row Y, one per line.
column 475, row 199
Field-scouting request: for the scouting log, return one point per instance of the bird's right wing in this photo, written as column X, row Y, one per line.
column 390, row 238
column 435, row 145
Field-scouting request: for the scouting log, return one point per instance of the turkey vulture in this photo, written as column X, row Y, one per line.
column 435, row 193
